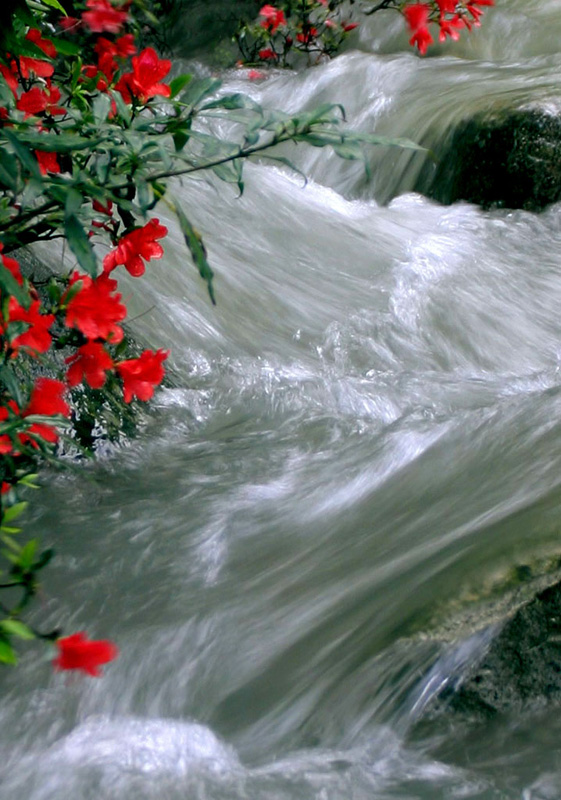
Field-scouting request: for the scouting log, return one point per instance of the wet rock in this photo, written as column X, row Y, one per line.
column 509, row 160
column 521, row 667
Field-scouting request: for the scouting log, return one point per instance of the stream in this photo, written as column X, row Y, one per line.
column 359, row 446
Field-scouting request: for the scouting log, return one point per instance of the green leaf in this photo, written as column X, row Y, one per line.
column 80, row 244
column 195, row 244
column 28, row 554
column 23, row 154
column 101, row 108
column 180, row 139
column 7, row 655
column 230, row 172
column 10, row 286
column 65, row 48
column 59, row 143
column 44, row 559
column 13, row 512
column 12, row 383
column 9, row 173
column 232, row 101
column 143, row 194
column 13, row 627
column 122, row 109
column 349, row 150
column 6, row 94
column 199, row 88
column 54, row 4
column 179, row 83
column 102, row 165
column 29, row 481
column 384, row 141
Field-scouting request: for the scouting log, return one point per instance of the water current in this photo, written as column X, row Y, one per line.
column 359, row 445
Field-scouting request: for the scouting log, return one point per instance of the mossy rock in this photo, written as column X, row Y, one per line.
column 510, row 160
column 521, row 668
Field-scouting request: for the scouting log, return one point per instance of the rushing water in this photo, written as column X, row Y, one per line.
column 362, row 442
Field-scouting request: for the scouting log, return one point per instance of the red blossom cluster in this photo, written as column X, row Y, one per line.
column 450, row 16
column 88, row 312
column 313, row 27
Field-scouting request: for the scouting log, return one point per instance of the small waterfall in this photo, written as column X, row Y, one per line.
column 359, row 447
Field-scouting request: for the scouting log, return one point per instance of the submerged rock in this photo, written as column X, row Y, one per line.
column 521, row 667
column 507, row 160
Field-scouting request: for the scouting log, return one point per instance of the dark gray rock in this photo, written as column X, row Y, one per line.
column 521, row 668
column 508, row 160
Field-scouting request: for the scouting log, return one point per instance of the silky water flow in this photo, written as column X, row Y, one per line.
column 359, row 444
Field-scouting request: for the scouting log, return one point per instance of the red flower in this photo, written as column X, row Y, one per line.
column 10, row 76
column 46, row 399
column 417, row 16
column 141, row 375
column 267, row 54
column 6, row 445
column 144, row 80
column 36, row 339
column 136, row 245
column 103, row 17
column 476, row 12
column 273, row 17
column 36, row 100
column 12, row 265
column 34, row 35
column 38, row 66
column 449, row 28
column 47, row 162
column 94, row 310
column 90, row 363
column 77, row 652
column 104, row 72
column 349, row 26
column 123, row 46
column 103, row 209
column 307, row 36
column 69, row 24
column 447, row 6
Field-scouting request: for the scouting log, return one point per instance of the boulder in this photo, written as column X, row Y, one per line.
column 520, row 667
column 504, row 160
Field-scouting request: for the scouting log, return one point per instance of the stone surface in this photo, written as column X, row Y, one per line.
column 507, row 160
column 521, row 667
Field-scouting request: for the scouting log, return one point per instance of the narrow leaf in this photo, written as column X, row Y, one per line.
column 7, row 655
column 195, row 244
column 13, row 627
column 13, row 512
column 80, row 244
column 23, row 154
column 177, row 84
column 10, row 286
column 54, row 4
column 199, row 88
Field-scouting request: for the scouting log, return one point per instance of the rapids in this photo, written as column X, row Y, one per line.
column 359, row 444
